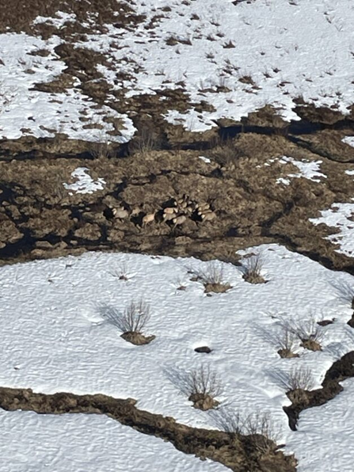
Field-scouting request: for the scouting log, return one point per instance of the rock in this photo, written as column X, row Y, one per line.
column 202, row 349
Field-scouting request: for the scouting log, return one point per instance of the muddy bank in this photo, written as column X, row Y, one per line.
column 303, row 399
column 239, row 453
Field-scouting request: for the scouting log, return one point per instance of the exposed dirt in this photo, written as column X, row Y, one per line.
column 239, row 453
column 303, row 399
column 137, row 338
column 41, row 219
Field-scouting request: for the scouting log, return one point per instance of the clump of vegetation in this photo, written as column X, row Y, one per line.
column 258, row 426
column 308, row 331
column 203, row 385
column 286, row 342
column 121, row 272
column 132, row 322
column 299, row 378
column 253, row 269
column 212, row 278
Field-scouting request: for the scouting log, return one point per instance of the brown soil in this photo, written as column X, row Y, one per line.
column 40, row 219
column 137, row 338
column 303, row 399
column 240, row 453
column 287, row 354
column 216, row 287
column 203, row 402
column 311, row 345
column 254, row 278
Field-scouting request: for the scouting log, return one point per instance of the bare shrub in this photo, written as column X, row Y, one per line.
column 145, row 140
column 229, row 420
column 135, row 317
column 213, row 278
column 120, row 272
column 131, row 322
column 203, row 385
column 225, row 152
column 259, row 426
column 263, row 431
column 300, row 378
column 285, row 341
column 308, row 331
column 252, row 269
column 100, row 150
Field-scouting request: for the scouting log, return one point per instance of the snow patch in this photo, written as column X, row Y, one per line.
column 85, row 183
column 27, row 111
column 341, row 216
column 87, row 443
column 349, row 140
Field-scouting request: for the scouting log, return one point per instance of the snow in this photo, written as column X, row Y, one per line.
column 308, row 169
column 59, row 21
column 86, row 443
column 349, row 140
column 84, row 183
column 56, row 336
column 326, row 429
column 205, row 159
column 27, row 111
column 340, row 216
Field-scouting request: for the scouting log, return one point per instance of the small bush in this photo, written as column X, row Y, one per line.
column 131, row 322
column 203, row 385
column 252, row 270
column 213, row 278
column 258, row 426
column 345, row 292
column 286, row 342
column 120, row 273
column 145, row 140
column 300, row 378
column 308, row 331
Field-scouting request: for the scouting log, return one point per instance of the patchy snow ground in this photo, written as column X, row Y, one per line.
column 308, row 169
column 84, row 182
column 56, row 337
column 236, row 58
column 86, row 443
column 340, row 216
column 26, row 111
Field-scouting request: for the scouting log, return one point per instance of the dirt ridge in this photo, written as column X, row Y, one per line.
column 304, row 399
column 240, row 453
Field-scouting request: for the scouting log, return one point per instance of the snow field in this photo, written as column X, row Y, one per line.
column 56, row 338
column 86, row 443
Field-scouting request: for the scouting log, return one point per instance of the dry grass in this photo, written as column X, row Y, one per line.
column 213, row 278
column 285, row 341
column 257, row 425
column 253, row 269
column 300, row 378
column 132, row 321
column 203, row 385
column 308, row 331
